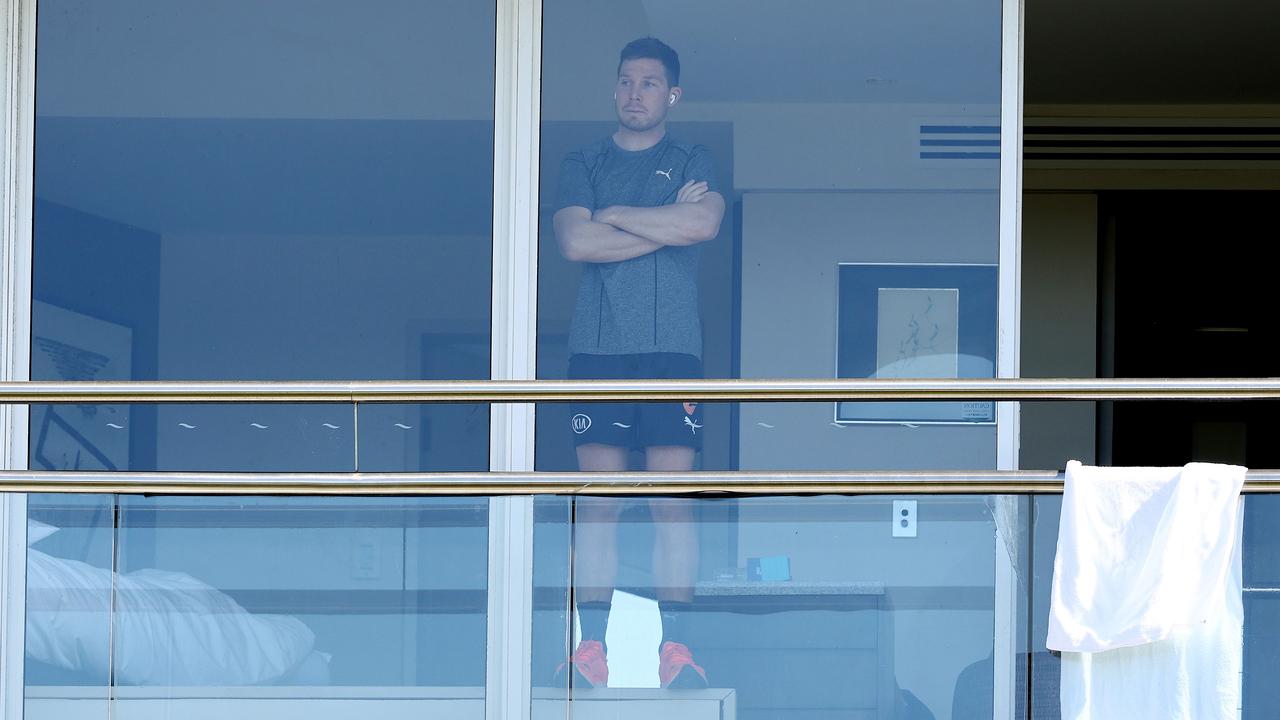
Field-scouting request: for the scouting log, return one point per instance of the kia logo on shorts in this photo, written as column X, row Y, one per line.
column 580, row 423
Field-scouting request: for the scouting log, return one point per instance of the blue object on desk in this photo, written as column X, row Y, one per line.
column 769, row 569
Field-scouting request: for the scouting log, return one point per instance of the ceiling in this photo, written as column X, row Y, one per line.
column 836, row 50
column 1136, row 52
column 1117, row 52
column 187, row 58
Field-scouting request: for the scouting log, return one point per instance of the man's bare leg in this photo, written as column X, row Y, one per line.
column 595, row 565
column 675, row 569
column 675, row 543
column 595, row 552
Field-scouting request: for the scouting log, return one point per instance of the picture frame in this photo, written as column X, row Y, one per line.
column 916, row 320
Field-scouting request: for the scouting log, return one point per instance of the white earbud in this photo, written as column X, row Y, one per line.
column 672, row 99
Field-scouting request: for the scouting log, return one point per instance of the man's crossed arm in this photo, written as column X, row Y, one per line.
column 621, row 232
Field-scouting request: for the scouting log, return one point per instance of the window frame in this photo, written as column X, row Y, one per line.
column 517, row 107
column 17, row 186
column 513, row 342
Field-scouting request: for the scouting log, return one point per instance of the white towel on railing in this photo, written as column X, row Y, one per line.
column 1146, row 598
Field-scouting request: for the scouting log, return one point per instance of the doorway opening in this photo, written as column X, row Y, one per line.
column 1188, row 289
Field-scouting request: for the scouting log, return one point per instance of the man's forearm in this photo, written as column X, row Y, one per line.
column 600, row 243
column 685, row 223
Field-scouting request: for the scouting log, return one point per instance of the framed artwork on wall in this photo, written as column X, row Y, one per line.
column 916, row 321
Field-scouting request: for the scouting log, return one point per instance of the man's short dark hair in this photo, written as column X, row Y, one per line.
column 654, row 49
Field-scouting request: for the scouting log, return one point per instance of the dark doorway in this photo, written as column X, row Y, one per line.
column 1192, row 285
column 1195, row 295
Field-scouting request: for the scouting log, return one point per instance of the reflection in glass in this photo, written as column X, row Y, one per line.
column 296, row 597
column 212, row 437
column 70, row 549
column 793, row 607
column 428, row 438
column 272, row 198
column 552, row 622
column 1261, row 606
column 1045, row 666
column 765, row 436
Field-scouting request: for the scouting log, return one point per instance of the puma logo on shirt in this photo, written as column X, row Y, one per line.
column 666, row 173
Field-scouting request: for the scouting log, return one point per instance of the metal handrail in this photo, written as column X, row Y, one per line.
column 753, row 390
column 533, row 483
column 551, row 483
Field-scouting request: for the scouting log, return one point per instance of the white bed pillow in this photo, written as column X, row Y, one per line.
column 170, row 629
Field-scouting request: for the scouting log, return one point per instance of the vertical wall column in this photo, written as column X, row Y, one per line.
column 17, row 102
column 515, row 293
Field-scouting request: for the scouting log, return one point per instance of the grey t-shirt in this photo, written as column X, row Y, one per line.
column 648, row 303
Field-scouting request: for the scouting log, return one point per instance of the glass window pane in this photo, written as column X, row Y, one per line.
column 1046, row 667
column 1261, row 606
column 552, row 602
column 848, row 226
column 782, row 607
column 267, row 191
column 213, row 437
column 70, row 553
column 753, row 436
column 242, row 606
column 430, row 438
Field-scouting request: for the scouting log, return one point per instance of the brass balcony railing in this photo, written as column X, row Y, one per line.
column 629, row 483
column 516, row 391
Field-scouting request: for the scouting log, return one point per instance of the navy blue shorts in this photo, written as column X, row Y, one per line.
column 636, row 425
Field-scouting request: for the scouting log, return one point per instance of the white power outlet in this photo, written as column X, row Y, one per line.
column 366, row 559
column 904, row 518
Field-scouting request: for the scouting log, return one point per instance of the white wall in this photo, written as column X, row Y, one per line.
column 1059, row 323
column 792, row 243
column 845, row 146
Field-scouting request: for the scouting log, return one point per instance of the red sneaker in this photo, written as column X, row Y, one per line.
column 672, row 661
column 589, row 664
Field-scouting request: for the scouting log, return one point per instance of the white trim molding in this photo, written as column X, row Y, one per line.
column 1010, row 253
column 515, row 225
column 517, row 105
column 1008, row 638
column 13, row 590
column 17, row 98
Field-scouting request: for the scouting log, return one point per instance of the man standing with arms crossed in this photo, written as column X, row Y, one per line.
column 633, row 209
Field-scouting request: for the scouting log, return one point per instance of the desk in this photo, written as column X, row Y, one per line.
column 798, row 650
column 343, row 703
